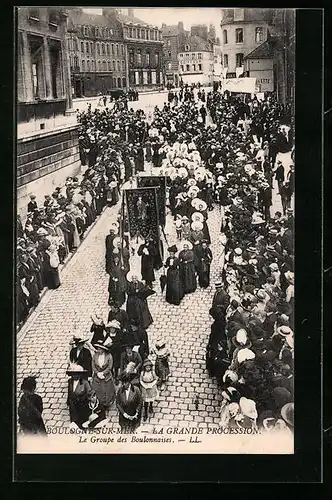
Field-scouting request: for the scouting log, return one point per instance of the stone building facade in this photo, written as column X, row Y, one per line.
column 144, row 52
column 47, row 138
column 242, row 31
column 43, row 80
column 173, row 38
column 196, row 57
column 96, row 53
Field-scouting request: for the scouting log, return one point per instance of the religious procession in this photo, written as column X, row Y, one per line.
column 202, row 161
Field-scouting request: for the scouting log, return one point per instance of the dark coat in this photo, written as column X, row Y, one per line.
column 147, row 262
column 78, row 401
column 280, row 174
column 221, row 298
column 131, row 405
column 30, row 411
column 83, row 359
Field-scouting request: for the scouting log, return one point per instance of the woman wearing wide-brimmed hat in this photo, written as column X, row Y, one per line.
column 79, row 394
column 149, row 390
column 30, row 409
column 80, row 354
column 187, row 267
column 174, row 289
column 102, row 378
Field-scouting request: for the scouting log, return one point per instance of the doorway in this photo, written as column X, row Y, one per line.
column 78, row 88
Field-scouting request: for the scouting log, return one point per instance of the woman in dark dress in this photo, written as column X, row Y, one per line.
column 147, row 253
column 117, row 282
column 137, row 306
column 97, row 329
column 187, row 268
column 174, row 290
column 79, row 395
column 51, row 262
column 30, row 409
column 204, row 257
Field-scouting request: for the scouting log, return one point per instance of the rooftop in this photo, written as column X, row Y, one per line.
column 261, row 52
column 78, row 17
column 133, row 20
column 197, row 43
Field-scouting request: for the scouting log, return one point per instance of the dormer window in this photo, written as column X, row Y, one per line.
column 53, row 19
column 187, row 48
column 34, row 15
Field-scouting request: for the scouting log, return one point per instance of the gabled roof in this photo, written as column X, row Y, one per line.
column 197, row 44
column 170, row 30
column 78, row 17
column 131, row 19
column 261, row 52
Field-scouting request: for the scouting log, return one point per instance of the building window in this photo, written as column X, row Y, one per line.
column 130, row 33
column 108, row 50
column 123, row 82
column 226, row 60
column 199, row 56
column 83, row 65
column 139, row 57
column 87, row 47
column 122, row 50
column 258, row 35
column 114, row 67
column 147, row 34
column 181, row 56
column 131, row 57
column 119, row 83
column 117, row 50
column 106, row 33
column 187, row 67
column 88, row 65
column 169, row 66
column 114, row 83
column 134, row 32
column 112, row 49
column 143, row 34
column 140, row 74
column 225, row 38
column 187, row 48
column 103, row 49
column 104, row 66
column 182, row 68
column 98, row 49
column 91, row 48
column 123, row 66
column 118, row 65
column 82, row 46
column 53, row 18
column 194, row 67
column 239, row 35
column 147, row 58
column 92, row 65
column 199, row 67
column 109, row 67
column 138, row 33
column 34, row 14
column 170, row 54
column 156, row 58
column 239, row 60
column 99, row 66
column 149, row 82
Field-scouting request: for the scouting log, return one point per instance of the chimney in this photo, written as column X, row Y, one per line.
column 180, row 26
column 163, row 25
column 131, row 12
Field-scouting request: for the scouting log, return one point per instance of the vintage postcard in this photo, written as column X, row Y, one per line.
column 155, row 230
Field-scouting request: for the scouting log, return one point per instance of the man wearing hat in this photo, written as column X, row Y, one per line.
column 80, row 355
column 280, row 175
column 32, row 205
column 221, row 297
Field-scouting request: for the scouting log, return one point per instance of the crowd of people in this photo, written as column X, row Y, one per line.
column 229, row 164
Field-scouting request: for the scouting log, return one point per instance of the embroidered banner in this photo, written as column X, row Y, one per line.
column 158, row 182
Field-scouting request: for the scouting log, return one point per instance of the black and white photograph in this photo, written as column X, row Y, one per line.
column 155, row 171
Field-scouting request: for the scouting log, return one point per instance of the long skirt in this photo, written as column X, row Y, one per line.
column 52, row 278
column 162, row 369
column 188, row 277
column 138, row 309
column 129, row 425
column 204, row 275
column 174, row 289
column 105, row 391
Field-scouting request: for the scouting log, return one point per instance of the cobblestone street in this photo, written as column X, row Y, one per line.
column 43, row 343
